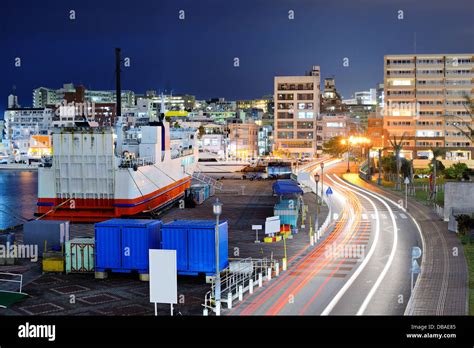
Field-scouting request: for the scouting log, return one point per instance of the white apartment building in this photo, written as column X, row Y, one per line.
column 21, row 123
column 427, row 97
column 296, row 114
column 43, row 96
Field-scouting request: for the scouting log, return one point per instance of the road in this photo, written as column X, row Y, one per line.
column 359, row 267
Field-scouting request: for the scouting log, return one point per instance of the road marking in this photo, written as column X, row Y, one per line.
column 364, row 217
column 364, row 263
column 373, row 216
column 403, row 216
column 382, row 275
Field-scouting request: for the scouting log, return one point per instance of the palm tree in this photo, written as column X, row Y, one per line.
column 466, row 129
column 437, row 152
column 397, row 146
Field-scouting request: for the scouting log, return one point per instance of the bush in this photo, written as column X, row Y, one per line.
column 465, row 224
column 456, row 171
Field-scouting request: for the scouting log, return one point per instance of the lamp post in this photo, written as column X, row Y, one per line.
column 217, row 210
column 316, row 220
column 379, row 179
column 322, row 181
column 347, row 142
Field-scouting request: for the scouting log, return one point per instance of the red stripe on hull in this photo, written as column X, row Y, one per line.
column 95, row 210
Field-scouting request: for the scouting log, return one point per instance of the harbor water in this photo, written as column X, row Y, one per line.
column 18, row 194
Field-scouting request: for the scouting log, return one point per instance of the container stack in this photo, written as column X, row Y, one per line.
column 287, row 210
column 122, row 246
column 200, row 192
column 194, row 242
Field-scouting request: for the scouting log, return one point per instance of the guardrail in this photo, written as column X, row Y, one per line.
column 20, row 281
column 242, row 276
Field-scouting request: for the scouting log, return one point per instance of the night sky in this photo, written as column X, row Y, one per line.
column 195, row 55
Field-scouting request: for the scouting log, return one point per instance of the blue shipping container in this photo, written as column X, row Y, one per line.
column 122, row 244
column 194, row 242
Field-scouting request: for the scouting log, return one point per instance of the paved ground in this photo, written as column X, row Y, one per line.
column 361, row 266
column 442, row 288
column 124, row 294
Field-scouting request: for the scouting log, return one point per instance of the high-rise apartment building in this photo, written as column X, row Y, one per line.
column 296, row 114
column 427, row 99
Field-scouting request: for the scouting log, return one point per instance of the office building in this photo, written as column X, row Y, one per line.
column 296, row 101
column 427, row 98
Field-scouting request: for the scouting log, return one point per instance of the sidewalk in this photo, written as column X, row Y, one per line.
column 442, row 286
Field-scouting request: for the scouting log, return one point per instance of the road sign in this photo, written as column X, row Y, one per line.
column 329, row 191
column 407, row 181
column 415, row 267
column 256, row 227
column 415, row 252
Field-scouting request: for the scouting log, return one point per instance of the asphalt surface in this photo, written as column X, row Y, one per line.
column 361, row 266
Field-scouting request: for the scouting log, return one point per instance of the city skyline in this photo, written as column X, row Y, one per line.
column 194, row 52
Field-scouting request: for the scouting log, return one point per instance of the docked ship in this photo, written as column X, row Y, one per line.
column 98, row 173
column 210, row 163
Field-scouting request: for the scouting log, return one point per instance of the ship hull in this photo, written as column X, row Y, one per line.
column 96, row 210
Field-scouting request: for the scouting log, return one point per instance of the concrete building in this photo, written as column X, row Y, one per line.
column 43, row 97
column 76, row 107
column 335, row 125
column 263, row 104
column 21, row 123
column 296, row 114
column 243, row 140
column 426, row 98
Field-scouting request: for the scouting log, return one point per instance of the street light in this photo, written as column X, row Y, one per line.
column 322, row 181
column 217, row 210
column 316, row 179
column 344, row 142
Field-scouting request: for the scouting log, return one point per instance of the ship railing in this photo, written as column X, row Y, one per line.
column 130, row 162
column 207, row 180
column 242, row 276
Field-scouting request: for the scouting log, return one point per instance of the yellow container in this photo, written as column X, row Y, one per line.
column 53, row 264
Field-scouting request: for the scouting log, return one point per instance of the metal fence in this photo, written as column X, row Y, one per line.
column 242, row 276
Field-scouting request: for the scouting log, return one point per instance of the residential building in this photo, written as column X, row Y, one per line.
column 21, row 123
column 426, row 98
column 296, row 114
column 43, row 97
column 243, row 140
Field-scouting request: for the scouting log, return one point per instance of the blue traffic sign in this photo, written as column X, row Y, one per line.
column 328, row 191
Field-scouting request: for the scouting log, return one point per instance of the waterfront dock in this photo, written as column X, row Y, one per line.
column 245, row 203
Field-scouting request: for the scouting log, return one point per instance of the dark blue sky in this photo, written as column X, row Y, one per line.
column 195, row 55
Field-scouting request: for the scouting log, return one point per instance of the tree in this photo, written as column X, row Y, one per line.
column 334, row 147
column 437, row 152
column 201, row 131
column 466, row 129
column 397, row 146
column 465, row 224
column 456, row 171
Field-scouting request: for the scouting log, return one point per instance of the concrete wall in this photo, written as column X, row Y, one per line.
column 458, row 195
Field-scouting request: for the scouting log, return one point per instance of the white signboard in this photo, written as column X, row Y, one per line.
column 256, row 227
column 163, row 276
column 272, row 225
